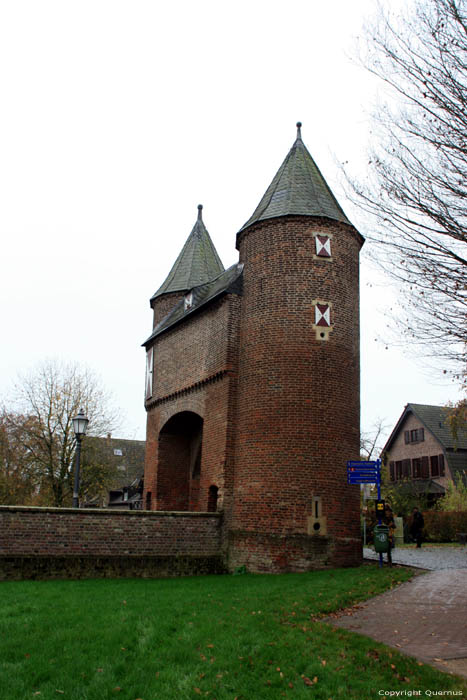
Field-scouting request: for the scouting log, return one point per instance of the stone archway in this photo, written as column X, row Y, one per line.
column 179, row 463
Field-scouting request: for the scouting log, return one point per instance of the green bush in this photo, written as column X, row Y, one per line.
column 443, row 526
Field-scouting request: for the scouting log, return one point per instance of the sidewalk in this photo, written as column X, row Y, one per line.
column 432, row 558
column 425, row 618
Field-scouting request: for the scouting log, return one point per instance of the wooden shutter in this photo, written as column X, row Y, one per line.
column 425, row 468
column 441, row 465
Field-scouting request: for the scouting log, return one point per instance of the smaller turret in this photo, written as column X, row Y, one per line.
column 197, row 263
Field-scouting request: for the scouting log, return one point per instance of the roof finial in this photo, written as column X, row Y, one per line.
column 200, row 209
column 299, row 133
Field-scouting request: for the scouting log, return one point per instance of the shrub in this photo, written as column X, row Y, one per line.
column 443, row 526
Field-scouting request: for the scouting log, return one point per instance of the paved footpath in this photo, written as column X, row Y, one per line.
column 425, row 618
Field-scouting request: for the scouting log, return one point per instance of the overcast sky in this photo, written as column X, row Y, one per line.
column 117, row 118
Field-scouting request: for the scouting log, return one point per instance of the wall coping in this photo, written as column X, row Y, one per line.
column 123, row 512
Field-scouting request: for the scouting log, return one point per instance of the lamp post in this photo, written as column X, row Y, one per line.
column 80, row 423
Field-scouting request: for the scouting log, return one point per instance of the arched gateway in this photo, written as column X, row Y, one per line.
column 179, row 463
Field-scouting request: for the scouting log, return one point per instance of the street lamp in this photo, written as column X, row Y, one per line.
column 80, row 423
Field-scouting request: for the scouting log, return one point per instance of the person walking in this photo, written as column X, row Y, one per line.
column 388, row 520
column 416, row 526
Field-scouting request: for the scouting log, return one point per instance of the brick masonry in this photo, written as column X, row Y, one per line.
column 298, row 403
column 63, row 542
column 279, row 405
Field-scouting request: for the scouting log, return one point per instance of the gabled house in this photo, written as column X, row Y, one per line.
column 423, row 452
column 122, row 463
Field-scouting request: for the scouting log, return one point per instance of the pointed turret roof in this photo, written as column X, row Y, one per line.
column 298, row 188
column 197, row 263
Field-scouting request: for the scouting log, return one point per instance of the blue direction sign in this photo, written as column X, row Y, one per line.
column 363, row 472
column 364, row 465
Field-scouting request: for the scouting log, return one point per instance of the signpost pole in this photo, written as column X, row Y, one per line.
column 378, row 484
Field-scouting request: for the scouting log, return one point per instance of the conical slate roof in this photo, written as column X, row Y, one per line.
column 298, row 188
column 197, row 263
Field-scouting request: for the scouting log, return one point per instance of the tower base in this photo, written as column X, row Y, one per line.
column 261, row 552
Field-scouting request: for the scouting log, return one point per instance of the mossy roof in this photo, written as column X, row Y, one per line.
column 228, row 282
column 197, row 263
column 298, row 188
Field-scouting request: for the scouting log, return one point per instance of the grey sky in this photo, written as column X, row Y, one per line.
column 117, row 119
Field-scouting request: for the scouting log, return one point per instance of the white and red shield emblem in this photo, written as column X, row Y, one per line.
column 322, row 315
column 323, row 246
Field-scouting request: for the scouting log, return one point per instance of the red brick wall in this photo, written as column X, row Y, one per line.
column 163, row 304
column 195, row 370
column 298, row 401
column 26, row 531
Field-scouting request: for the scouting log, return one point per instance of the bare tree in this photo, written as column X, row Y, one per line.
column 50, row 396
column 372, row 441
column 416, row 188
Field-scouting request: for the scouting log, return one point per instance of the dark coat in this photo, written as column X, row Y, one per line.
column 417, row 523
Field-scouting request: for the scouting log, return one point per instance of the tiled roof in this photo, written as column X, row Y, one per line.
column 434, row 418
column 229, row 281
column 197, row 263
column 298, row 188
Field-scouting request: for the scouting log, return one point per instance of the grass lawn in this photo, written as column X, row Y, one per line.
column 243, row 637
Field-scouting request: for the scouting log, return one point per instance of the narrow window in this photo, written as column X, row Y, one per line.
column 149, row 372
column 212, row 498
column 406, row 437
column 425, row 468
column 434, row 465
column 398, row 470
column 416, row 468
column 406, row 468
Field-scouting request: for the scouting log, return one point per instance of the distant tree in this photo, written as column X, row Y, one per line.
column 19, row 482
column 49, row 397
column 416, row 186
column 457, row 419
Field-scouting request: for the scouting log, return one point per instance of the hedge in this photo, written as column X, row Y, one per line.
column 443, row 526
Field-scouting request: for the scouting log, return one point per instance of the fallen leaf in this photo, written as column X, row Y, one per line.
column 197, row 690
column 307, row 681
column 117, row 688
column 323, row 662
column 100, row 670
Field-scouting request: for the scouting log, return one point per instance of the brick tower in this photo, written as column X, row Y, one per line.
column 298, row 392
